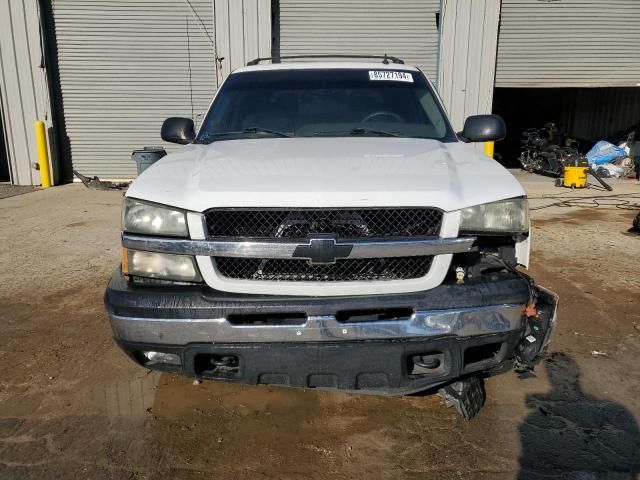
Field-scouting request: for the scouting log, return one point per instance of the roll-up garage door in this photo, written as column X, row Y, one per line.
column 569, row 43
column 404, row 28
column 126, row 65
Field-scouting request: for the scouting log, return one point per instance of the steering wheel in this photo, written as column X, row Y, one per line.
column 382, row 113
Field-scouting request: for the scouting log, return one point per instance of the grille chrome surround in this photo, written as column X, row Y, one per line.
column 389, row 263
column 344, row 223
column 281, row 249
column 437, row 272
column 345, row 270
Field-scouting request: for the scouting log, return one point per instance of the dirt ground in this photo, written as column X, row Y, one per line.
column 72, row 405
column 7, row 191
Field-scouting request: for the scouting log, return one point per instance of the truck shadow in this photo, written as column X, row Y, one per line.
column 573, row 435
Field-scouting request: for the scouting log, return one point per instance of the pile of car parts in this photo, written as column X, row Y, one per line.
column 94, row 183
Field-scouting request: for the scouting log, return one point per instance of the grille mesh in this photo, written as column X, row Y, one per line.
column 344, row 223
column 346, row 270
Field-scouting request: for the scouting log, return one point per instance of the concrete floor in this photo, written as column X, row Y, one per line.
column 73, row 406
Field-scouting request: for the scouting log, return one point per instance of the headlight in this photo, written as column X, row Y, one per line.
column 160, row 265
column 147, row 218
column 505, row 216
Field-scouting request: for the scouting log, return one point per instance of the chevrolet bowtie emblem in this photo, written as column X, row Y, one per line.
column 322, row 251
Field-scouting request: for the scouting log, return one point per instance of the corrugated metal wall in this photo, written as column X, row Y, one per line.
column 600, row 113
column 23, row 86
column 569, row 43
column 404, row 28
column 243, row 32
column 124, row 67
column 468, row 57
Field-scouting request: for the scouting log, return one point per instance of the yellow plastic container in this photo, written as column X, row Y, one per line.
column 575, row 177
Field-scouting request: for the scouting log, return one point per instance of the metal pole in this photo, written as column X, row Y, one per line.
column 488, row 148
column 43, row 154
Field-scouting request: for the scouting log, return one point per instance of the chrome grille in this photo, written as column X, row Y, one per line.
column 397, row 268
column 343, row 223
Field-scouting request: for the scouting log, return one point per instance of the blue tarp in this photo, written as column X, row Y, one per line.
column 604, row 152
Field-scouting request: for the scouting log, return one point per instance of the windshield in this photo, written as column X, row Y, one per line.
column 331, row 102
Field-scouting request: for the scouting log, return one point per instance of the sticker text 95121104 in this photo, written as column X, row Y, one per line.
column 390, row 75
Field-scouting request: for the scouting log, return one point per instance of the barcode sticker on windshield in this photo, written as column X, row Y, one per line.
column 390, row 75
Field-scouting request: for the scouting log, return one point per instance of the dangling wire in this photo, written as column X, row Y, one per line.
column 189, row 68
column 203, row 27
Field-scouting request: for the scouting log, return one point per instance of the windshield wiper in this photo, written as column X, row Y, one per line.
column 246, row 130
column 265, row 130
column 358, row 131
column 253, row 130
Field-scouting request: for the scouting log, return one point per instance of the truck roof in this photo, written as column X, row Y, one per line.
column 302, row 65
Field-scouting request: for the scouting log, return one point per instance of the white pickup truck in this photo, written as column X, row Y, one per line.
column 326, row 228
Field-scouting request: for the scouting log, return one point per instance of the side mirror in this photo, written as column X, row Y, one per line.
column 483, row 128
column 178, row 130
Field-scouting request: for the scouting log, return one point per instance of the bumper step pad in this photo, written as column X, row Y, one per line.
column 466, row 395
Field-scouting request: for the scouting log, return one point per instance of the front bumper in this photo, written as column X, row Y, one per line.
column 323, row 342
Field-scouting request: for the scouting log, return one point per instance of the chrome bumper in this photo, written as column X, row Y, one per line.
column 422, row 324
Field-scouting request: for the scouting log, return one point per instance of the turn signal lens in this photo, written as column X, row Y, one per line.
column 125, row 261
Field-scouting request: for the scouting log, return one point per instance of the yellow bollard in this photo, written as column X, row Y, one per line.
column 43, row 154
column 488, row 148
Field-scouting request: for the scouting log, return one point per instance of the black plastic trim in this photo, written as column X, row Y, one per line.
column 375, row 367
column 124, row 298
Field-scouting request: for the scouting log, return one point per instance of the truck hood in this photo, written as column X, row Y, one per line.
column 325, row 172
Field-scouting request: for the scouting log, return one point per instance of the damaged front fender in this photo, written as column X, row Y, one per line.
column 467, row 395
